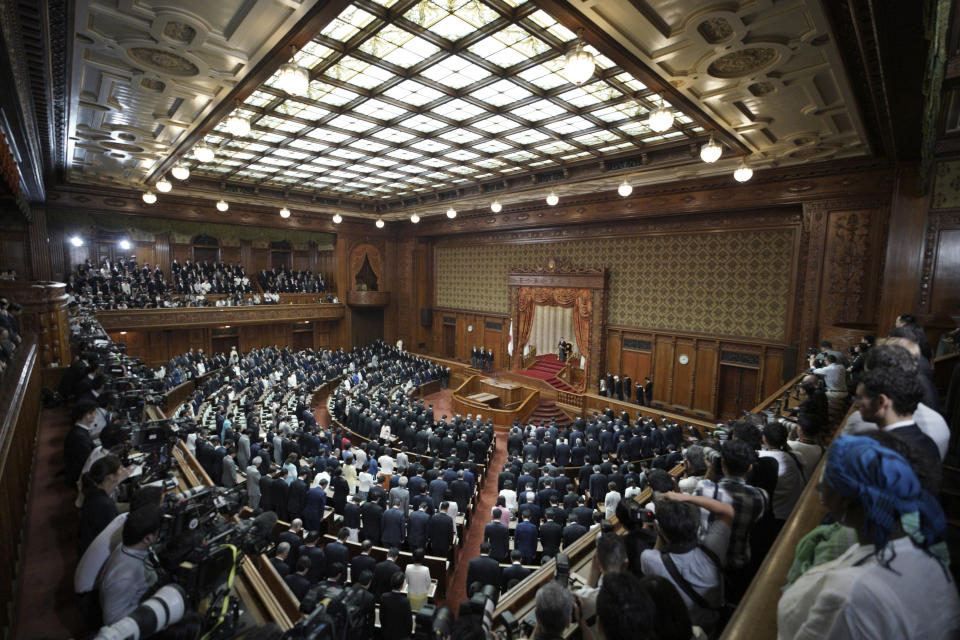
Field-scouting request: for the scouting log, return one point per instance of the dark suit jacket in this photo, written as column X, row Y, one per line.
column 381, row 578
column 418, row 529
column 551, row 534
column 76, row 449
column 337, row 552
column 396, row 621
column 572, row 532
column 441, row 533
column 371, row 514
column 295, row 542
column 525, row 540
column 282, row 567
column 318, row 563
column 98, row 511
column 361, row 563
column 298, row 584
column 483, row 569
column 514, row 571
column 393, row 527
column 499, row 538
column 461, row 494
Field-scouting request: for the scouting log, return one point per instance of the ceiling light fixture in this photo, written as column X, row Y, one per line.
column 660, row 118
column 496, row 207
column 222, row 205
column 553, row 198
column 284, row 213
column 149, row 197
column 293, row 78
column 237, row 124
column 451, row 213
column 180, row 172
column 711, row 151
column 743, row 172
column 379, row 223
column 337, row 218
column 125, row 244
column 579, row 64
column 76, row 241
column 625, row 189
column 414, row 218
column 203, row 153
column 164, row 186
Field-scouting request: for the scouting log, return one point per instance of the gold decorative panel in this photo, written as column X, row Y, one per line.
column 729, row 283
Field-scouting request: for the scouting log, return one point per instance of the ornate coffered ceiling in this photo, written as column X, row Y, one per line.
column 148, row 81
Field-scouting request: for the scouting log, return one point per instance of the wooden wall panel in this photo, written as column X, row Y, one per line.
column 663, row 357
column 945, row 280
column 301, row 260
column 144, row 252
column 182, row 253
column 683, row 373
column 705, row 377
column 13, row 253
column 230, row 255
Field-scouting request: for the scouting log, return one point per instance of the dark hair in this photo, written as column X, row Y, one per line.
column 312, row 536
column 624, row 608
column 419, row 554
column 678, row 521
column 366, row 545
column 659, row 480
column 485, row 547
column 99, row 470
column 365, row 577
column 303, row 564
column 903, row 389
column 147, row 497
column 611, row 552
column 890, row 356
column 515, row 555
column 497, row 513
column 738, row 456
column 743, row 430
column 396, row 580
column 672, row 621
column 776, row 435
column 336, row 569
column 139, row 524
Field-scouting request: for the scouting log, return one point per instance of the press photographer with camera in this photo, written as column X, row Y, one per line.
column 125, row 577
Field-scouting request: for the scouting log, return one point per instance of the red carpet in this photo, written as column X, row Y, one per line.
column 546, row 368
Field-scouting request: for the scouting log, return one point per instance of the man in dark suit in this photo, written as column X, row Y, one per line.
column 371, row 518
column 385, row 571
column 417, row 528
column 498, row 536
column 647, row 391
column 461, row 492
column 483, row 569
column 551, row 534
column 572, row 532
column 318, row 561
column 440, row 533
column 396, row 617
column 394, row 526
column 515, row 571
column 627, row 388
column 279, row 559
column 438, row 490
column 525, row 539
column 338, row 552
column 597, row 486
column 297, row 498
column 292, row 536
column 78, row 444
column 298, row 581
column 365, row 603
column 363, row 561
column 582, row 513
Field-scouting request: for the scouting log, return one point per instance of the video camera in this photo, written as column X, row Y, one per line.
column 335, row 613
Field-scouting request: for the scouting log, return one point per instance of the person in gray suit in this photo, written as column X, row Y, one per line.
column 243, row 451
column 253, row 483
column 401, row 495
column 229, row 473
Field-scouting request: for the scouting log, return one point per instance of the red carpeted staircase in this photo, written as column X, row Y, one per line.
column 547, row 411
column 546, row 368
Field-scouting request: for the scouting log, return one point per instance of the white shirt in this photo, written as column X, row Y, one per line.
column 386, row 464
column 511, row 497
column 834, row 375
column 809, row 455
column 840, row 600
column 364, row 480
column 610, row 503
column 93, row 559
column 418, row 579
column 926, row 419
column 789, row 483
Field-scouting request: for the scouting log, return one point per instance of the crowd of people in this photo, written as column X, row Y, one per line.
column 283, row 280
column 9, row 331
column 622, row 388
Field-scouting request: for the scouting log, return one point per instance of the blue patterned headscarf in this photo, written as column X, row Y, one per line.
column 885, row 485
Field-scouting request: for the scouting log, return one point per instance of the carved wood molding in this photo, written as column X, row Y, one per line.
column 128, row 319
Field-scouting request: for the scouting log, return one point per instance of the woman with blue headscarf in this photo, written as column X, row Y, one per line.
column 889, row 585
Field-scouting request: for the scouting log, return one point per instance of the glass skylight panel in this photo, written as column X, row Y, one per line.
column 610, row 114
column 346, row 68
column 574, row 156
column 520, row 156
column 241, row 155
column 290, row 127
column 422, row 123
column 495, row 124
column 578, row 97
column 362, row 168
column 292, row 155
column 347, row 153
column 379, row 110
column 455, row 72
column 306, row 145
column 436, row 162
column 540, row 163
column 569, row 125
column 393, row 135
column 545, row 20
column 543, row 77
column 500, row 93
column 330, row 94
column 458, row 110
column 682, row 119
column 391, row 175
column 599, row 137
column 539, row 110
column 461, row 154
column 403, row 154
column 528, row 136
column 412, row 93
column 462, row 170
column 635, row 128
column 349, row 123
column 631, row 82
column 311, row 54
column 371, row 77
column 259, row 99
column 269, row 137
column 271, row 160
column 697, row 129
column 350, row 21
column 343, row 174
column 430, row 146
column 490, row 163
column 491, row 146
column 615, row 147
column 459, row 136
column 417, row 180
column 368, row 145
column 256, row 147
column 555, row 147
column 329, row 161
column 411, row 53
column 411, row 168
column 385, row 40
column 602, row 61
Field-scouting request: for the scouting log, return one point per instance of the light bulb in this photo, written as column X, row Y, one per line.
column 337, row 218
column 496, row 207
column 660, row 119
column 743, row 173
column 625, row 189
column 579, row 65
column 180, row 172
column 149, row 197
column 451, row 213
column 711, row 151
column 553, row 199
column 125, row 244
column 164, row 186
column 379, row 223
column 284, row 213
column 222, row 205
column 238, row 126
column 76, row 241
column 414, row 218
column 203, row 153
column 294, row 79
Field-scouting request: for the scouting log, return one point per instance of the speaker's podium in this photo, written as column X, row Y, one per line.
column 503, row 402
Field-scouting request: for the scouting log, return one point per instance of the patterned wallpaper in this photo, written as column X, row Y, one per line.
column 946, row 186
column 730, row 283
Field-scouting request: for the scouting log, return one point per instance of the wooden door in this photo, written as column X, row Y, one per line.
column 450, row 340
column 302, row 340
column 738, row 391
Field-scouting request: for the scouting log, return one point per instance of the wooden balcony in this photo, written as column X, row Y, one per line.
column 184, row 317
column 368, row 298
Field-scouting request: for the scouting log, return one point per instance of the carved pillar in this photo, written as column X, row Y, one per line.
column 39, row 245
column 44, row 315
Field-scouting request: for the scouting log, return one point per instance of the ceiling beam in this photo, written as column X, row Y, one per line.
column 303, row 32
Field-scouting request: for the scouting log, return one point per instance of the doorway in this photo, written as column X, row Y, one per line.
column 450, row 340
column 738, row 391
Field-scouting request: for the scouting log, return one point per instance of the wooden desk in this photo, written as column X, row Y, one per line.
column 476, row 394
column 490, row 399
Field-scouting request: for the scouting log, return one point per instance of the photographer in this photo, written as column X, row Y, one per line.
column 125, row 578
column 835, row 378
